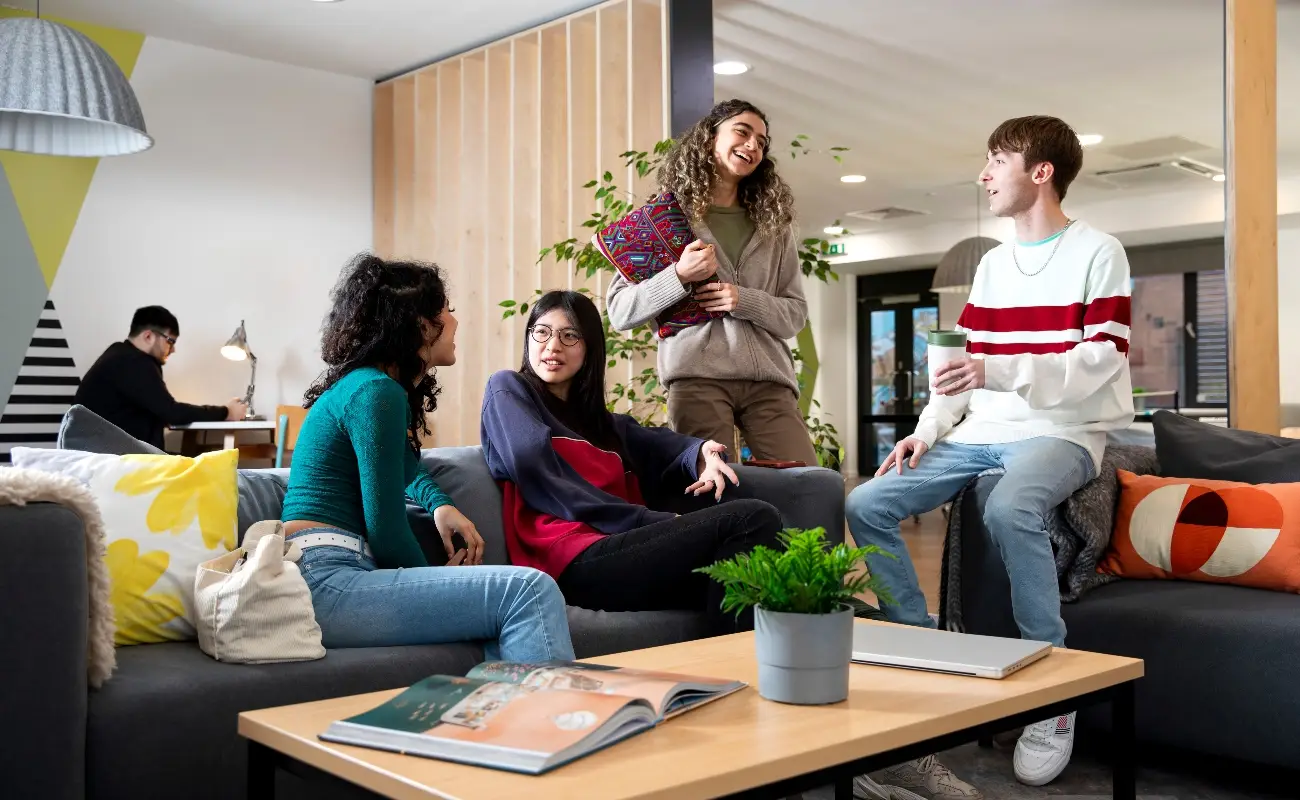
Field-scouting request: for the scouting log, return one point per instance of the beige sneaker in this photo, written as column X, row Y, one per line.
column 930, row 779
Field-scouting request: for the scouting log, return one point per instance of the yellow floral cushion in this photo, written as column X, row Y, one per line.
column 163, row 516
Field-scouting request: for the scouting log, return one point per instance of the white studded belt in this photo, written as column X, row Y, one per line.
column 352, row 543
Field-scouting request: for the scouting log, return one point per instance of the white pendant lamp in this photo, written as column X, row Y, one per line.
column 63, row 95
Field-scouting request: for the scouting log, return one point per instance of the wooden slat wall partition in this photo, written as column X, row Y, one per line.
column 1251, row 229
column 480, row 160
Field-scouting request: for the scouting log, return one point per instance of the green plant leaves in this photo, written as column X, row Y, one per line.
column 807, row 577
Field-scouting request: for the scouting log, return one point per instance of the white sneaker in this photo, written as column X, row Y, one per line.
column 1044, row 750
column 929, row 779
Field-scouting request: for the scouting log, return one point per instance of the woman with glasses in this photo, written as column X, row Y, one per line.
column 576, row 479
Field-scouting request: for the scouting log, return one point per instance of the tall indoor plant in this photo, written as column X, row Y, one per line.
column 803, row 622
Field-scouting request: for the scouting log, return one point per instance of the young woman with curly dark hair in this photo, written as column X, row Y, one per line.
column 735, row 370
column 587, row 493
column 357, row 459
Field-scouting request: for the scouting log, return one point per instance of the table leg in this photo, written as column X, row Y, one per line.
column 1123, row 737
column 228, row 441
column 261, row 772
column 844, row 788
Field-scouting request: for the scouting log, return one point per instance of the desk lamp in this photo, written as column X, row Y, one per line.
column 236, row 349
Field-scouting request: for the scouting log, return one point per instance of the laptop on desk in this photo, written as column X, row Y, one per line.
column 932, row 650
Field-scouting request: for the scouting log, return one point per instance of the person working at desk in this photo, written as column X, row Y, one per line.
column 125, row 385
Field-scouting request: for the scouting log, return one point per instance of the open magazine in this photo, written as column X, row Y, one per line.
column 526, row 718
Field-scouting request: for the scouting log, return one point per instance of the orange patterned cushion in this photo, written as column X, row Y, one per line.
column 1210, row 531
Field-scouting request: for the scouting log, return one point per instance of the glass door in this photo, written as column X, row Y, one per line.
column 898, row 378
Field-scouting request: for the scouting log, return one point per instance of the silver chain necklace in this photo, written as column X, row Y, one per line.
column 1059, row 237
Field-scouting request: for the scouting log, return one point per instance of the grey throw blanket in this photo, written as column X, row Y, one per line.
column 1079, row 529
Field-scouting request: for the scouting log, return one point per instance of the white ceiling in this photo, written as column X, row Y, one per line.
column 366, row 38
column 915, row 88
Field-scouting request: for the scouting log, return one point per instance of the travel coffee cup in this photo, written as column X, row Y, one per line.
column 942, row 347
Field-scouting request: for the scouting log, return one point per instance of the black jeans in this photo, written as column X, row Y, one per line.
column 652, row 568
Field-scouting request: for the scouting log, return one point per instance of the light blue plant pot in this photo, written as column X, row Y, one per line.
column 803, row 659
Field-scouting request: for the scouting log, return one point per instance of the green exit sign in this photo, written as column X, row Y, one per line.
column 836, row 249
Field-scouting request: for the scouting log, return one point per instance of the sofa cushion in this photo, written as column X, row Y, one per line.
column 463, row 474
column 1188, row 448
column 1210, row 531
column 164, row 725
column 598, row 633
column 83, row 429
column 1218, row 660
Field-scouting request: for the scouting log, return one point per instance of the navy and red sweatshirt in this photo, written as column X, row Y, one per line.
column 561, row 492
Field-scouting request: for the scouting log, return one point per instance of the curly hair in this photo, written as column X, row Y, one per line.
column 375, row 322
column 690, row 172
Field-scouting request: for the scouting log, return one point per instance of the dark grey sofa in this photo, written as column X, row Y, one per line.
column 1220, row 673
column 164, row 725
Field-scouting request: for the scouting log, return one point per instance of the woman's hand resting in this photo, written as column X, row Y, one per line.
column 698, row 262
column 714, row 472
column 450, row 521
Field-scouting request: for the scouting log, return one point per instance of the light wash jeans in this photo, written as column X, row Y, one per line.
column 518, row 612
column 1041, row 474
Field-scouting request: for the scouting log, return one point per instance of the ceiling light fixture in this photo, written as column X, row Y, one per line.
column 1088, row 139
column 853, row 178
column 730, row 68
column 1219, row 178
column 833, row 230
column 63, row 95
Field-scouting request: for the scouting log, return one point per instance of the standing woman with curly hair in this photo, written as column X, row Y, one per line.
column 357, row 459
column 734, row 370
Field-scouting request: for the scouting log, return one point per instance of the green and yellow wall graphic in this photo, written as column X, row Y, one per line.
column 40, row 200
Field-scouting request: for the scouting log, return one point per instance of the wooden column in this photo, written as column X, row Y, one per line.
column 1250, row 88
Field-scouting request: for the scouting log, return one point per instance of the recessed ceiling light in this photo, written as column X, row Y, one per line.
column 1219, row 177
column 853, row 178
column 730, row 68
column 833, row 230
column 1087, row 139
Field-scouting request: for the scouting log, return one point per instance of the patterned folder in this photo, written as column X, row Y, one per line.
column 647, row 241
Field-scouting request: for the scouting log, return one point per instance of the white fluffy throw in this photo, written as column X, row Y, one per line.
column 18, row 487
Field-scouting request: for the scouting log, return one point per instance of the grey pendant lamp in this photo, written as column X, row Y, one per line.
column 63, row 95
column 956, row 270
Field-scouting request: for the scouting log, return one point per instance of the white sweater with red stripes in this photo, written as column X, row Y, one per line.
column 1054, row 345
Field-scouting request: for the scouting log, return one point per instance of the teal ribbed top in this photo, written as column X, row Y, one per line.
column 352, row 467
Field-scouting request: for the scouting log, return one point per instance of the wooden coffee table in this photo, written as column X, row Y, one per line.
column 739, row 746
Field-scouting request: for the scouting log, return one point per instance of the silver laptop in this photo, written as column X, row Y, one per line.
column 932, row 650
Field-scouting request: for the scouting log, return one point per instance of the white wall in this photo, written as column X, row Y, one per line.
column 257, row 190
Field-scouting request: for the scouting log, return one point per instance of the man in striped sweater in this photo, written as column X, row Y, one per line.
column 1045, row 377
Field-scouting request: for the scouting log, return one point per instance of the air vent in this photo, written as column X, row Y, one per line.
column 886, row 214
column 1163, row 174
column 1161, row 149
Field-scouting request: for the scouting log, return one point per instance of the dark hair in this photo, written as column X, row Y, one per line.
column 153, row 318
column 689, row 171
column 375, row 322
column 585, row 409
column 1042, row 139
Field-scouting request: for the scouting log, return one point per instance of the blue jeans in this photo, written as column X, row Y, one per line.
column 1041, row 474
column 517, row 611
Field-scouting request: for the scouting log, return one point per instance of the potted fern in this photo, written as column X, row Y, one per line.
column 803, row 623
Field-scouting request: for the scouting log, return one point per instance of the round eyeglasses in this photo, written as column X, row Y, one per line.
column 543, row 333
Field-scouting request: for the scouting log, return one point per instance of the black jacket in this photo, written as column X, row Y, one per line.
column 125, row 386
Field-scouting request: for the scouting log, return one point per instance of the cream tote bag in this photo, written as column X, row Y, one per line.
column 252, row 604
